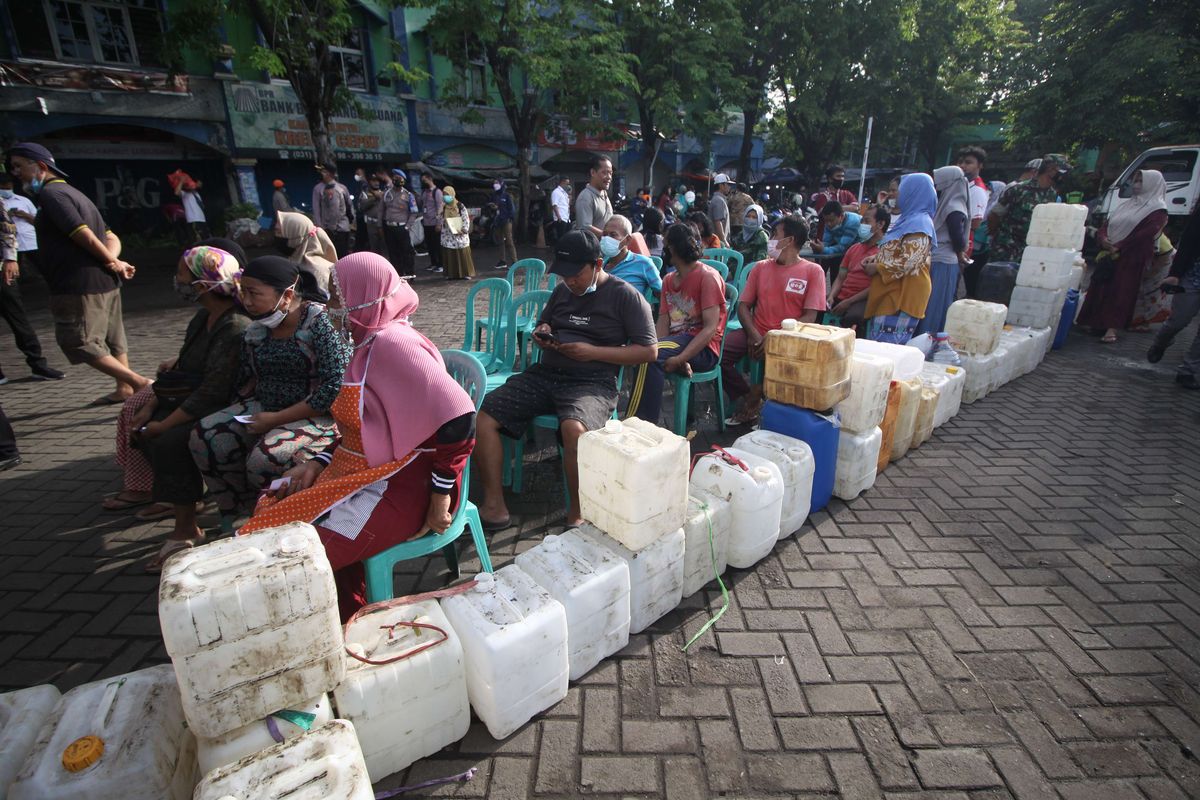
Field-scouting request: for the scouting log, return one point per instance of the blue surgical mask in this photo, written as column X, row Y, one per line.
column 864, row 232
column 448, row 199
column 35, row 185
column 6, row 193
column 609, row 247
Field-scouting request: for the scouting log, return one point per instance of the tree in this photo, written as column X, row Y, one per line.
column 754, row 42
column 545, row 59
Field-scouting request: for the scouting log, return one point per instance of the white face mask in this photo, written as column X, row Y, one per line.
column 774, row 248
column 277, row 315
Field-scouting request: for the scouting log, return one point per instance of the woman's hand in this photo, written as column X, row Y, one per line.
column 152, row 430
column 300, row 477
column 439, row 517
column 143, row 414
column 262, row 422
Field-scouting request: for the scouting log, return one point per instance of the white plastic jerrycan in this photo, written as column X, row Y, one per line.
column 870, row 379
column 322, row 764
column 633, row 480
column 22, row 714
column 978, row 381
column 948, row 381
column 858, row 461
column 414, row 704
column 974, row 325
column 121, row 738
column 592, row 584
column 514, row 638
column 753, row 487
column 249, row 739
column 251, row 624
column 906, row 418
column 906, row 360
column 655, row 573
column 706, row 538
column 795, row 461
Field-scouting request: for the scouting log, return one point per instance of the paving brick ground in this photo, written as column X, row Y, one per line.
column 1012, row 611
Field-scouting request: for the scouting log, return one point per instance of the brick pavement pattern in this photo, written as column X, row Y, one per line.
column 1013, row 611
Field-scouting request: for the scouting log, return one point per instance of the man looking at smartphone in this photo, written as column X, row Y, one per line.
column 592, row 325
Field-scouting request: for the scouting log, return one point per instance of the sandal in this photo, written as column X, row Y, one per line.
column 169, row 548
column 155, row 512
column 496, row 526
column 122, row 502
column 1109, row 338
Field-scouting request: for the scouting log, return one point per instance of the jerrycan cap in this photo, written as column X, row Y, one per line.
column 82, row 753
column 484, row 581
column 761, row 474
column 613, row 426
column 553, row 542
column 789, row 324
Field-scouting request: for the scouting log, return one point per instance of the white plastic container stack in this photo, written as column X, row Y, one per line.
column 926, row 415
column 514, row 639
column 709, row 517
column 1025, row 343
column 593, row 586
column 1046, row 268
column 250, row 739
column 978, row 376
column 655, row 573
column 22, row 714
column 633, row 480
column 948, row 381
column 410, row 708
column 1035, row 308
column 857, row 462
column 1078, row 268
column 870, row 377
column 906, row 419
column 974, row 326
column 251, row 624
column 323, row 764
column 121, row 738
column 754, row 491
column 795, row 461
column 906, row 361
column 1057, row 225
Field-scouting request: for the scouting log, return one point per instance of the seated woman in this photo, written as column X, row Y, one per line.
column 290, row 371
column 899, row 273
column 700, row 221
column 307, row 246
column 752, row 239
column 407, row 429
column 153, row 430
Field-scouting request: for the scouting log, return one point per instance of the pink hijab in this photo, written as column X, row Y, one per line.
column 408, row 394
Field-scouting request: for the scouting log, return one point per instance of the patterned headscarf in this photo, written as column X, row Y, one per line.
column 214, row 268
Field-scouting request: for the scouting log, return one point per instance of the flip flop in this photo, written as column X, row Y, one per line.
column 117, row 503
column 155, row 512
column 497, row 525
column 106, row 400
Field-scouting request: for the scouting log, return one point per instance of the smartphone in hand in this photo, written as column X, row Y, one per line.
column 546, row 338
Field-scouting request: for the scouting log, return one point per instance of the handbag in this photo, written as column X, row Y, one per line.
column 416, row 232
column 173, row 386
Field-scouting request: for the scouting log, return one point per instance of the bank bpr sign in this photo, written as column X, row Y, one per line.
column 268, row 122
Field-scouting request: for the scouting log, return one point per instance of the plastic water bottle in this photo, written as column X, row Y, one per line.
column 942, row 352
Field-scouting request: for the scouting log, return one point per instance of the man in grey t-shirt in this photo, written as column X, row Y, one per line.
column 718, row 206
column 592, row 207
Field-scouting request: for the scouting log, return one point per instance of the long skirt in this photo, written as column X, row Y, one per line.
column 457, row 262
column 1110, row 304
column 943, row 275
column 895, row 328
column 1153, row 306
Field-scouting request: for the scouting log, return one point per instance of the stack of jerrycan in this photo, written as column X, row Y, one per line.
column 633, row 488
column 753, row 487
column 904, row 396
column 974, row 329
column 808, row 373
column 1053, row 244
column 22, row 715
column 861, row 413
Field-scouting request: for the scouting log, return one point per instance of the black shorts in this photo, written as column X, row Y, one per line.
column 539, row 390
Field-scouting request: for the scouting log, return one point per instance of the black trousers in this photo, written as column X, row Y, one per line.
column 360, row 235
column 13, row 312
column 433, row 245
column 400, row 249
column 8, row 439
column 560, row 228
column 341, row 242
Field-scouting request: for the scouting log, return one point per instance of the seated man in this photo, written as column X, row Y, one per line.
column 848, row 295
column 841, row 229
column 691, row 321
column 620, row 261
column 592, row 325
column 785, row 286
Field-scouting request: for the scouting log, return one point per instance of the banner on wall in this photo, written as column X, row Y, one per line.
column 268, row 122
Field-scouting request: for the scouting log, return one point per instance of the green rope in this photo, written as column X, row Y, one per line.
column 712, row 551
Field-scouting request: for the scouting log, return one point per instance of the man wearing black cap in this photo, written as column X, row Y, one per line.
column 592, row 325
column 80, row 259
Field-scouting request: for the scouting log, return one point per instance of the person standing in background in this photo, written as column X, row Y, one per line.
column 560, row 205
column 22, row 213
column 193, row 209
column 280, row 200
column 951, row 226
column 332, row 209
column 835, row 177
column 718, row 207
column 399, row 207
column 454, row 230
column 431, row 210
column 505, row 214
column 10, row 456
column 370, row 203
column 592, row 206
column 361, row 239
column 739, row 201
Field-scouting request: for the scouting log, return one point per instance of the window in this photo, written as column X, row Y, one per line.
column 476, row 71
column 352, row 61
column 91, row 32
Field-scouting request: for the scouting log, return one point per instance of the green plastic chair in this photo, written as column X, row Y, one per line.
column 551, row 281
column 683, row 386
column 732, row 259
column 488, row 352
column 657, row 262
column 739, row 282
column 532, row 269
column 522, row 313
column 466, row 369
column 718, row 265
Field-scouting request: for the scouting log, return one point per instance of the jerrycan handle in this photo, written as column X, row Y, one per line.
column 383, row 605
column 100, row 721
column 247, row 557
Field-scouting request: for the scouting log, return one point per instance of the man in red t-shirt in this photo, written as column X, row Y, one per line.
column 782, row 286
column 691, row 321
column 835, row 178
column 848, row 295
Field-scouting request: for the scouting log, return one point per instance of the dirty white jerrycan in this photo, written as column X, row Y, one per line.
column 858, row 461
column 413, row 701
column 974, row 325
column 706, row 538
column 795, row 461
column 633, row 480
column 906, row 360
column 948, row 381
column 753, row 487
column 514, row 638
column 906, row 419
column 22, row 714
column 121, row 738
column 655, row 573
column 322, row 764
column 249, row 739
column 251, row 624
column 870, row 379
column 978, row 380
column 592, row 584
column 926, row 415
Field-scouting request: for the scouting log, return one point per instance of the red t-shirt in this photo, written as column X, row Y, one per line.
column 856, row 278
column 780, row 292
column 685, row 300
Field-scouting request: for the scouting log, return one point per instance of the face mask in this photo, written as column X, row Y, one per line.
column 891, row 202
column 35, row 185
column 282, row 246
column 329, row 183
column 448, row 199
column 359, row 178
column 864, row 232
column 6, row 193
column 773, row 249
column 690, row 197
column 609, row 246
column 277, row 315
column 836, row 183
column 495, row 187
column 186, row 290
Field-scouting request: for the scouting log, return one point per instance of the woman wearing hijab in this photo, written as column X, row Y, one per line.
column 455, row 225
column 153, row 429
column 289, row 373
column 751, row 240
column 952, row 230
column 900, row 270
column 506, row 213
column 407, row 429
column 1127, row 241
column 309, row 247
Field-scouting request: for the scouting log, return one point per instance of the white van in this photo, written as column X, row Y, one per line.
column 1180, row 166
